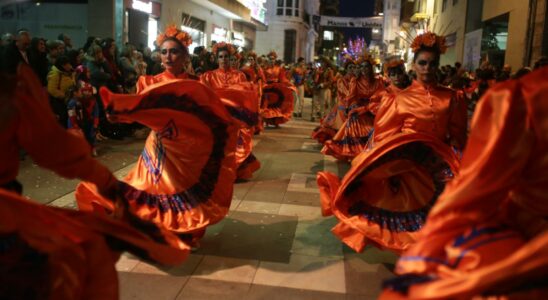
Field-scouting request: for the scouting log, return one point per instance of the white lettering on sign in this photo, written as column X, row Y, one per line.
column 142, row 6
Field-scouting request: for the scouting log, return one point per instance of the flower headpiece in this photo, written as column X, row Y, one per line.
column 393, row 62
column 173, row 32
column 348, row 59
column 252, row 54
column 429, row 40
column 272, row 53
column 366, row 58
column 222, row 45
column 238, row 55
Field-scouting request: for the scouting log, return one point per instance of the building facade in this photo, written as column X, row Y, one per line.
column 289, row 31
column 509, row 32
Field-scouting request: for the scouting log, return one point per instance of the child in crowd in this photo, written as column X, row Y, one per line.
column 83, row 112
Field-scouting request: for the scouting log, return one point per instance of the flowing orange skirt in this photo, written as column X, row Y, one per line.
column 352, row 137
column 386, row 195
column 330, row 124
column 54, row 253
column 184, row 177
column 277, row 103
column 243, row 106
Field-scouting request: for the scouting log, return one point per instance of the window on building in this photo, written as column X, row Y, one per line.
column 420, row 6
column 443, row 5
column 288, row 8
column 328, row 35
column 290, row 45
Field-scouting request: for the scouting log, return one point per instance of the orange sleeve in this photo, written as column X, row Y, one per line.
column 498, row 149
column 50, row 145
column 387, row 119
column 458, row 121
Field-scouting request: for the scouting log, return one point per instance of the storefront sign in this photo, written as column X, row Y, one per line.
column 142, row 6
column 472, row 49
column 371, row 22
column 219, row 34
column 238, row 39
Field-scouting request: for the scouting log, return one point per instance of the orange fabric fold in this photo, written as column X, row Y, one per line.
column 184, row 178
column 488, row 233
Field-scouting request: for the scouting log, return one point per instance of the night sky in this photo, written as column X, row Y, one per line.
column 357, row 8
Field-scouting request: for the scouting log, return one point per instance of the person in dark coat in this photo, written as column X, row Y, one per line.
column 16, row 52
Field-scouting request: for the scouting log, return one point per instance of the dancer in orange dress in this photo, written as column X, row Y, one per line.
column 254, row 74
column 240, row 98
column 352, row 137
column 386, row 195
column 184, row 177
column 55, row 253
column 278, row 94
column 346, row 94
column 488, row 233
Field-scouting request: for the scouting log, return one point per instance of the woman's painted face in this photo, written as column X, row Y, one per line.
column 397, row 76
column 426, row 65
column 251, row 60
column 351, row 69
column 173, row 57
column 223, row 59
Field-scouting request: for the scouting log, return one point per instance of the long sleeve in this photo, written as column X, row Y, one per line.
column 387, row 120
column 54, row 85
column 497, row 152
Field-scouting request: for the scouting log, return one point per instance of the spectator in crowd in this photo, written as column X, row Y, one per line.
column 111, row 59
column 54, row 50
column 127, row 68
column 67, row 41
column 156, row 67
column 38, row 59
column 60, row 79
column 16, row 53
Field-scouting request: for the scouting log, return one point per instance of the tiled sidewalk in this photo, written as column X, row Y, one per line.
column 274, row 243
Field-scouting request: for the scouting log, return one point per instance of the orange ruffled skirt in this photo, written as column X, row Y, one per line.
column 353, row 136
column 184, row 178
column 243, row 106
column 277, row 103
column 386, row 195
column 330, row 124
column 54, row 253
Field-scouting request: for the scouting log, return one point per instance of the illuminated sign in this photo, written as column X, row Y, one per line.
column 219, row 34
column 238, row 39
column 142, row 6
column 257, row 9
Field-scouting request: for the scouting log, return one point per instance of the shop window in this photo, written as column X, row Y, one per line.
column 196, row 28
column 328, row 35
column 288, row 8
column 290, row 44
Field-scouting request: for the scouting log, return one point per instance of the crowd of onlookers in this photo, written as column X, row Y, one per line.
column 72, row 75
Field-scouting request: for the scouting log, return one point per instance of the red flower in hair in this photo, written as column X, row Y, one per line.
column 173, row 32
column 221, row 45
column 430, row 40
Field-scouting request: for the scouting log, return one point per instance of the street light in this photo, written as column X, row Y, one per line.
column 381, row 14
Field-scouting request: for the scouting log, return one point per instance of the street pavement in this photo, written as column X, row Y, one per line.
column 273, row 244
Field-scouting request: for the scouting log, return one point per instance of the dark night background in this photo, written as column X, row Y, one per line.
column 356, row 8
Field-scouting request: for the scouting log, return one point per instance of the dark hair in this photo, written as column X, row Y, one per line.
column 198, row 50
column 61, row 61
column 300, row 59
column 458, row 65
column 436, row 52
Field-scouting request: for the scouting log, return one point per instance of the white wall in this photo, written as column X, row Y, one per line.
column 48, row 20
column 172, row 11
